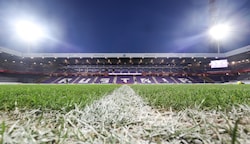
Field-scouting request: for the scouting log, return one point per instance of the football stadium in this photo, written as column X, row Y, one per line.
column 199, row 96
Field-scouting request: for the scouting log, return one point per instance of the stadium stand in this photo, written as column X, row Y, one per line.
column 129, row 68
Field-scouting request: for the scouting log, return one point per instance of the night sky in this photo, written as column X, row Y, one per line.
column 124, row 26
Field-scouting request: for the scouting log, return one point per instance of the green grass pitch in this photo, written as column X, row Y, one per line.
column 178, row 97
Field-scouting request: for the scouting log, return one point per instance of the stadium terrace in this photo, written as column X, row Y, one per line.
column 125, row 68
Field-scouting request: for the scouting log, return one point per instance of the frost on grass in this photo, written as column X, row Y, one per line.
column 123, row 117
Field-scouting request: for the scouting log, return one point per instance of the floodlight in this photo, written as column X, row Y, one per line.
column 29, row 31
column 220, row 31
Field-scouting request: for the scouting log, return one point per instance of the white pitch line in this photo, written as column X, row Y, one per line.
column 124, row 117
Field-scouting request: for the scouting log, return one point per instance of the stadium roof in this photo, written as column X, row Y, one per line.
column 124, row 55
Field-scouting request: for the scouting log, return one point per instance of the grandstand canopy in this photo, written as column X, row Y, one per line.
column 125, row 55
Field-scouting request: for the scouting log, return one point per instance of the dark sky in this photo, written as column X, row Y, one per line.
column 124, row 26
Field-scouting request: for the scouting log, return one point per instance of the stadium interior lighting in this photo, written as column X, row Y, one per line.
column 219, row 31
column 29, row 31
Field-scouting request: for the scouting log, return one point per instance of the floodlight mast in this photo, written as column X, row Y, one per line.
column 218, row 47
column 213, row 15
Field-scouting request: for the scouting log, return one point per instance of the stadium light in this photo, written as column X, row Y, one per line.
column 219, row 32
column 29, row 31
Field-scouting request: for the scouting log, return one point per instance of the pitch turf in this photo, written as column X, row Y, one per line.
column 178, row 97
column 70, row 114
column 54, row 97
